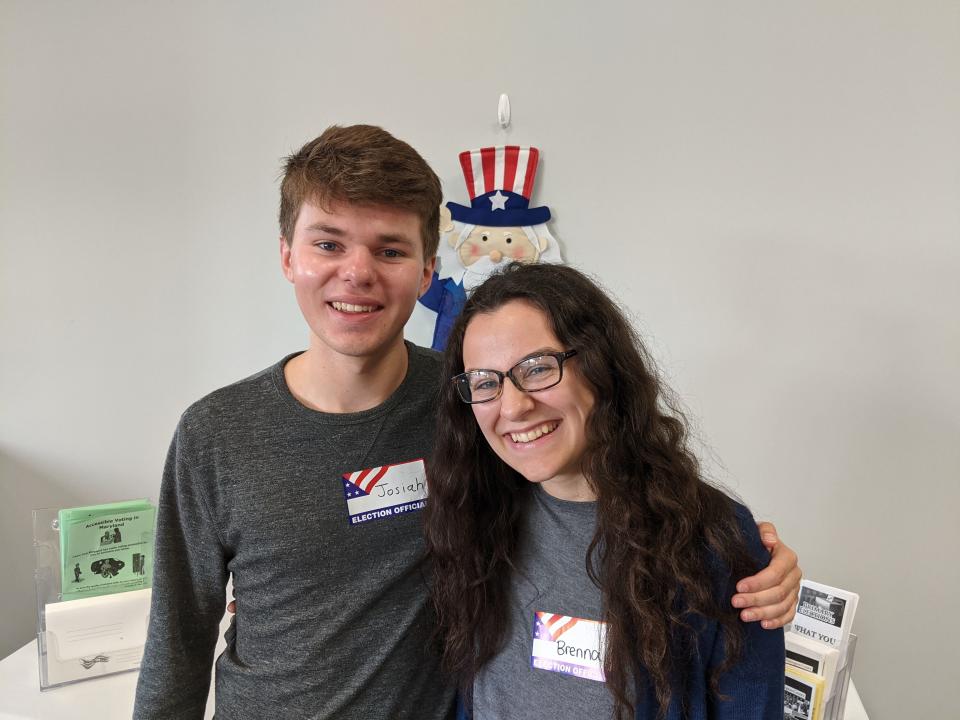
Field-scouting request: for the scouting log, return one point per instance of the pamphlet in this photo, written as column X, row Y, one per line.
column 812, row 656
column 802, row 695
column 106, row 548
column 825, row 614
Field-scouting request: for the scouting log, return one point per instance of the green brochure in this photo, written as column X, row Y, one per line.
column 106, row 548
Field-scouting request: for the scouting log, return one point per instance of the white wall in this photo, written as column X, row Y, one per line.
column 771, row 187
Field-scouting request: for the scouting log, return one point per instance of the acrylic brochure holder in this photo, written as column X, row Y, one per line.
column 836, row 704
column 88, row 637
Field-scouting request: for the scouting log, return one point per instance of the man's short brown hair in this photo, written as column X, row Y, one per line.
column 361, row 165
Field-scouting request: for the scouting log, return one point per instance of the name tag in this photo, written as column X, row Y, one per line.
column 386, row 491
column 568, row 645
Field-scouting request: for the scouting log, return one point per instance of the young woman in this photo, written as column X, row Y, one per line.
column 581, row 566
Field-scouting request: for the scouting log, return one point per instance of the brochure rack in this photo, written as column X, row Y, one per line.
column 835, row 706
column 817, row 685
column 86, row 638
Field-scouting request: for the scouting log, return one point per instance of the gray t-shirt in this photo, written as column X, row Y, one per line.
column 332, row 613
column 552, row 579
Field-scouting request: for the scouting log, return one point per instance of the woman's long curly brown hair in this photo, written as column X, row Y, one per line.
column 660, row 527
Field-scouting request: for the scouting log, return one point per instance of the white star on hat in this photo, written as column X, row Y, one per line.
column 498, row 201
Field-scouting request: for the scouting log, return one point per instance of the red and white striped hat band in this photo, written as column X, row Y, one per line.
column 506, row 167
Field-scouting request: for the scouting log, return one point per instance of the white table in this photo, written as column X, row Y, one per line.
column 104, row 698
column 854, row 709
column 111, row 697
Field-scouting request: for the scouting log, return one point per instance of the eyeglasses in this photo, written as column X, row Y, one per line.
column 532, row 374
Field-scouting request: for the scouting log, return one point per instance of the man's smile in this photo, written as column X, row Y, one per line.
column 351, row 308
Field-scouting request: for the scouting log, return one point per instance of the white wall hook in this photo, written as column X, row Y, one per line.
column 503, row 111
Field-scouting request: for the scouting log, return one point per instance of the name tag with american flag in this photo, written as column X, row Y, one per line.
column 385, row 491
column 568, row 645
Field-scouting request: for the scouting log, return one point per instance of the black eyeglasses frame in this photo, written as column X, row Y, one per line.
column 561, row 357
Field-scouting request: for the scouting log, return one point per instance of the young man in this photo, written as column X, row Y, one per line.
column 303, row 481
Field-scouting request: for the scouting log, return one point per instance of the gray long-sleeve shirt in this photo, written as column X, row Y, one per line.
column 332, row 614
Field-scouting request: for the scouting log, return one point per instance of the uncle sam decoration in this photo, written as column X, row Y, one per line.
column 498, row 227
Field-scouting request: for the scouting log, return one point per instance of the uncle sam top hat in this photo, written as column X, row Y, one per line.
column 500, row 181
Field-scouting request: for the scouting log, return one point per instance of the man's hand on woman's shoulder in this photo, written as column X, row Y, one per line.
column 770, row 596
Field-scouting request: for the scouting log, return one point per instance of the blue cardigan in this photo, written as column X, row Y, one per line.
column 753, row 686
